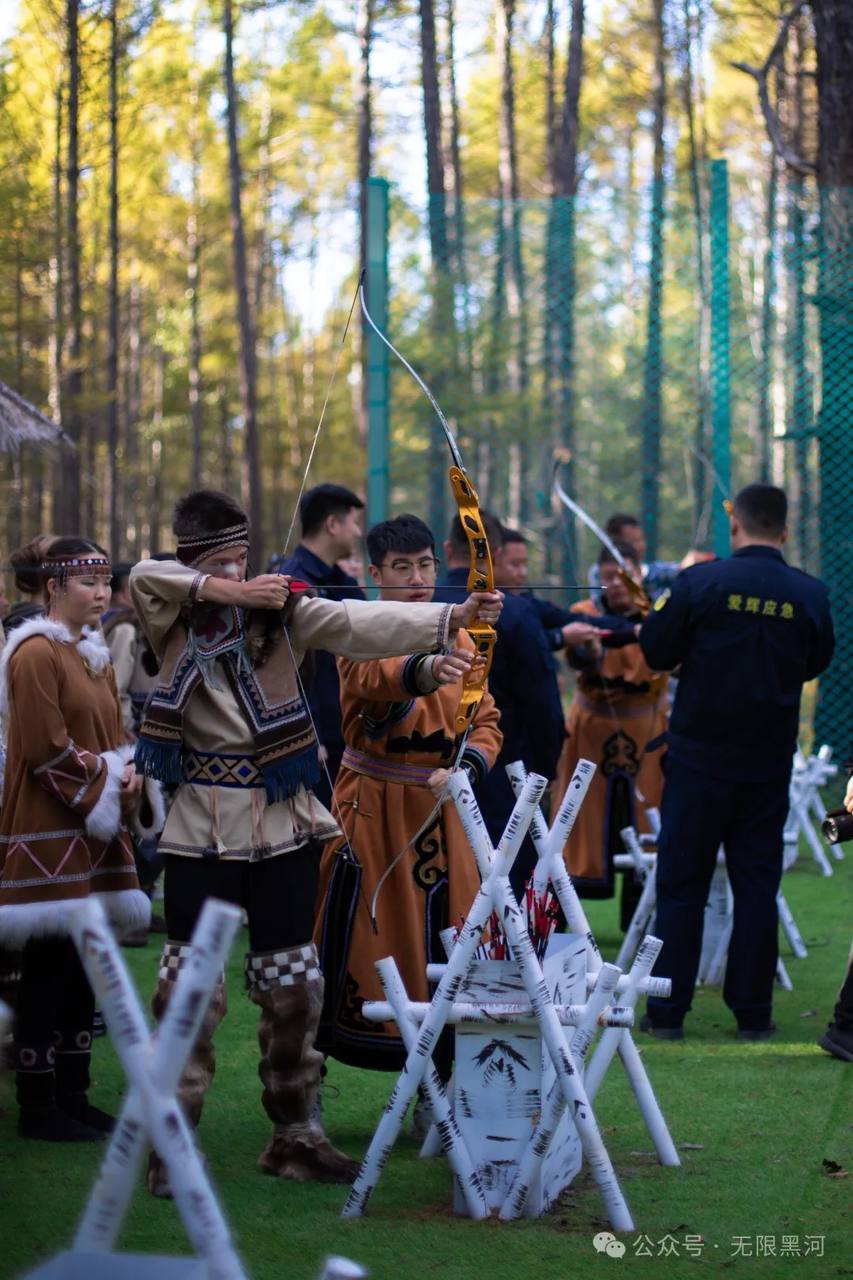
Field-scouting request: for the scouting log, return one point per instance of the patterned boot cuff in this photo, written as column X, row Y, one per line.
column 282, row 968
column 175, row 955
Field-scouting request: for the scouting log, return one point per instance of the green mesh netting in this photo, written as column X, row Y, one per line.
column 668, row 356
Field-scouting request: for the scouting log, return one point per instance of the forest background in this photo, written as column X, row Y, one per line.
column 183, row 187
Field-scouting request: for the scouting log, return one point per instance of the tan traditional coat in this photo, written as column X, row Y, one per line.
column 236, row 819
column 61, row 833
column 399, row 728
column 619, row 707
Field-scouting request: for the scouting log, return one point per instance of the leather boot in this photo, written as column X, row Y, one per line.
column 201, row 1064
column 38, row 1114
column 73, row 1056
column 288, row 988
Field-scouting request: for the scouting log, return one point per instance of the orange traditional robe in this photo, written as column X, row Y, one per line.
column 396, row 735
column 618, row 710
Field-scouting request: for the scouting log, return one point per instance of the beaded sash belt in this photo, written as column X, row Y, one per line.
column 212, row 769
column 386, row 770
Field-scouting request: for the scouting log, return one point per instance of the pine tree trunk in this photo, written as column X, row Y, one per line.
column 551, row 547
column 519, row 481
column 453, row 171
column 364, row 32
column 72, row 382
column 133, row 513
column 701, row 480
column 442, row 312
column 565, row 192
column 800, row 417
column 653, row 367
column 193, row 283
column 114, row 537
column 248, row 362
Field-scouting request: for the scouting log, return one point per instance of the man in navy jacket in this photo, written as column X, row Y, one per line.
column 746, row 633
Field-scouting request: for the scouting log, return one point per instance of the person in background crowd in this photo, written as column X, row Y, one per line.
column 561, row 625
column 747, row 632
column 28, row 581
column 70, row 785
column 331, row 531
column 658, row 575
column 399, row 725
column 523, row 683
column 617, row 720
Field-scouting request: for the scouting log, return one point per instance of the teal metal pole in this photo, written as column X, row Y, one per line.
column 376, row 288
column 721, row 366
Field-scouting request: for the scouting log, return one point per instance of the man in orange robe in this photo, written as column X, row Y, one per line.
column 617, row 719
column 400, row 735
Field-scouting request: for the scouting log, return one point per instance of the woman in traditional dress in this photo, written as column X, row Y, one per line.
column 617, row 719
column 69, row 783
column 399, row 729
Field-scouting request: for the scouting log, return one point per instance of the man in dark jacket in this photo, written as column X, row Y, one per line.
column 746, row 633
column 331, row 531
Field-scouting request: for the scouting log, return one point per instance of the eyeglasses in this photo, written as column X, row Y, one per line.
column 426, row 566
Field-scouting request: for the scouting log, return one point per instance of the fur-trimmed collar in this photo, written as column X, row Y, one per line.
column 91, row 646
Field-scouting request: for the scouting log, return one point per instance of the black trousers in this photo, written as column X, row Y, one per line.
column 843, row 1016
column 54, row 996
column 278, row 895
column 698, row 814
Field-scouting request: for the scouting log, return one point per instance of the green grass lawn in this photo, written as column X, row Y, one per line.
column 754, row 1124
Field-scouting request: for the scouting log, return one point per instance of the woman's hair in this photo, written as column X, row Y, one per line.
column 27, row 561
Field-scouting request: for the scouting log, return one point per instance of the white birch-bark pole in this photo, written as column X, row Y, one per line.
column 554, row 1104
column 451, row 1139
column 570, row 1015
column 789, row 924
column 176, row 1035
column 644, row 909
column 549, row 845
column 568, row 1076
column 805, row 824
column 782, row 976
column 649, row 986
column 163, row 1118
column 615, row 1041
column 458, row 963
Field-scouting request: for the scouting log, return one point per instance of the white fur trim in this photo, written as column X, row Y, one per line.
column 127, row 909
column 153, row 792
column 92, row 648
column 104, row 820
column 21, row 921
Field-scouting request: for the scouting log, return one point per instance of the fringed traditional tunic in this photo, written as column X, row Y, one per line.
column 223, row 807
column 61, row 832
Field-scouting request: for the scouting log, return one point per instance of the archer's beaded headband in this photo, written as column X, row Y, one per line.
column 192, row 549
